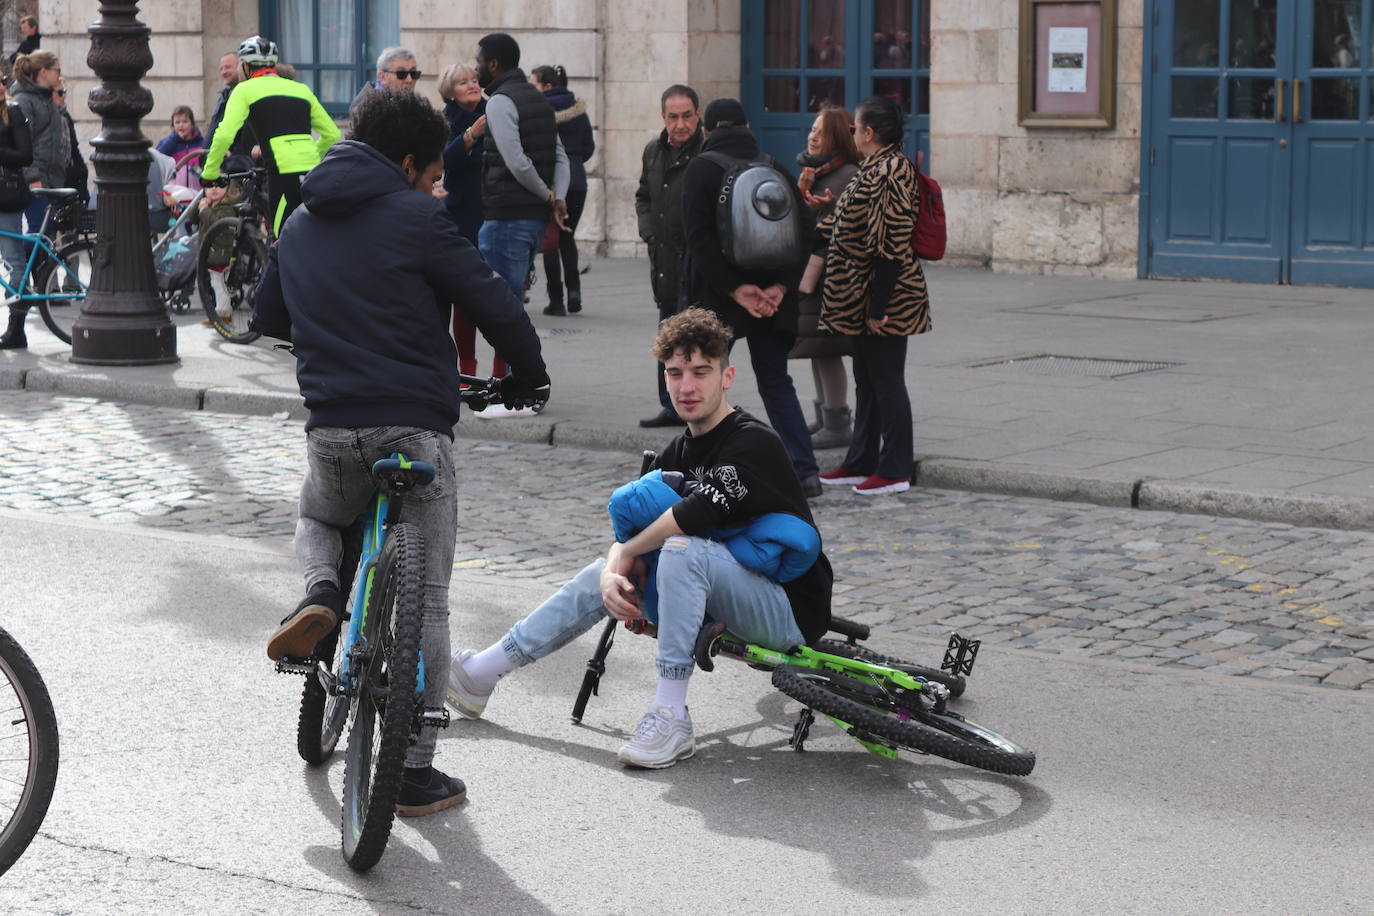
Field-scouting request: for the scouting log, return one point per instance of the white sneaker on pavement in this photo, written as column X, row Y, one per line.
column 661, row 740
column 466, row 696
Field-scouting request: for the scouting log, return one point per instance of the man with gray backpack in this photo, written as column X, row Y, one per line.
column 747, row 238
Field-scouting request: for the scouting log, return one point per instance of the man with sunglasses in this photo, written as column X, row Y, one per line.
column 396, row 72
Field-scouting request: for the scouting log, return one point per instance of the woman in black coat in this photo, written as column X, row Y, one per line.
column 575, row 130
column 16, row 153
column 465, row 110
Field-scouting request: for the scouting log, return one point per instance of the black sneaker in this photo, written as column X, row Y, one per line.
column 312, row 620
column 574, row 301
column 425, row 790
column 664, row 417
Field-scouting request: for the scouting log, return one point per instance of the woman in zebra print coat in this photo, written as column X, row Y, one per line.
column 875, row 293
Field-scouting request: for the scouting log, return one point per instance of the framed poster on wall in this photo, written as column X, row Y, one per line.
column 1067, row 64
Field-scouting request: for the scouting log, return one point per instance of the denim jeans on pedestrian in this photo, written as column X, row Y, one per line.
column 696, row 578
column 11, row 249
column 509, row 246
column 768, row 356
column 337, row 490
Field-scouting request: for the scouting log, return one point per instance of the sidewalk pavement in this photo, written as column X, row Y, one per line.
column 1255, row 401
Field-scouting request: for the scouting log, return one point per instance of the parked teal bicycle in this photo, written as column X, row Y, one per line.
column 56, row 280
column 369, row 674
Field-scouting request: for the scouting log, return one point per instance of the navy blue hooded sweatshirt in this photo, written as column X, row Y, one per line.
column 361, row 283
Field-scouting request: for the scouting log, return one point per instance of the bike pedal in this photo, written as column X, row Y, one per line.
column 960, row 654
column 434, row 718
column 288, row 665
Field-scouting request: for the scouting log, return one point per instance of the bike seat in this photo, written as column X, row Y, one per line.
column 398, row 474
column 55, row 193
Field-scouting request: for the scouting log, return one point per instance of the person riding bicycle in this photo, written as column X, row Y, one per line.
column 742, row 474
column 378, row 370
column 282, row 113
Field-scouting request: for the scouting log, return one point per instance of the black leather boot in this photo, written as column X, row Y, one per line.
column 14, row 338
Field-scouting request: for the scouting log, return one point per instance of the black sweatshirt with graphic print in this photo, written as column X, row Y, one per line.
column 742, row 472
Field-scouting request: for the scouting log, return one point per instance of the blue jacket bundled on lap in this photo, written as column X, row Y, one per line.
column 777, row 545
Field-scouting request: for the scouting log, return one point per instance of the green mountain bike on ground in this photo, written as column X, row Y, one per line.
column 886, row 704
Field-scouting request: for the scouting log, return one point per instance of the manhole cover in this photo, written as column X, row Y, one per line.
column 1046, row 364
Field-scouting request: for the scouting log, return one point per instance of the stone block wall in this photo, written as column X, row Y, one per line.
column 1030, row 199
column 619, row 55
column 187, row 41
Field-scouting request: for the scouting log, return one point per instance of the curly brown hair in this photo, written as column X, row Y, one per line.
column 693, row 330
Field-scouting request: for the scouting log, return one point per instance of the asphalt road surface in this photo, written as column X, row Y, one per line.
column 143, row 575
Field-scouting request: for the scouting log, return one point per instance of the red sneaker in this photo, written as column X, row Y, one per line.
column 841, row 477
column 875, row 485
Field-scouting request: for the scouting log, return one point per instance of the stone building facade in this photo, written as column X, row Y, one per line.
column 1167, row 190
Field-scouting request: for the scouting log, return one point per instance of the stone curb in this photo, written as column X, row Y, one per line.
column 960, row 474
column 1259, row 505
column 1345, row 513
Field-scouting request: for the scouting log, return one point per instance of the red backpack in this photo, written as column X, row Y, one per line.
column 929, row 237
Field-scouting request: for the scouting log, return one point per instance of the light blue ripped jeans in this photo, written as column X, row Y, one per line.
column 697, row 578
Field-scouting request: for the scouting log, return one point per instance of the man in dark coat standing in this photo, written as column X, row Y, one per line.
column 759, row 307
column 658, row 203
column 32, row 41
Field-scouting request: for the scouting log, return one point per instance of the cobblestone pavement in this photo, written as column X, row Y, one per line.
column 1243, row 598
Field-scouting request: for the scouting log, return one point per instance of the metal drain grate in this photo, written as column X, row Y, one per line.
column 1046, row 364
column 559, row 332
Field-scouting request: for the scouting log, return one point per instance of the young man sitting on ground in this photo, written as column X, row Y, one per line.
column 742, row 473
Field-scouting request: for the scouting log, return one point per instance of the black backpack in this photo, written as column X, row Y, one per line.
column 758, row 219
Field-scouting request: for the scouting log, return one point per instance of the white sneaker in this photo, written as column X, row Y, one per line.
column 501, row 412
column 224, row 306
column 661, row 740
column 466, row 696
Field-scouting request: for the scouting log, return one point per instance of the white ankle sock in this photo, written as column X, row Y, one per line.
column 490, row 665
column 672, row 692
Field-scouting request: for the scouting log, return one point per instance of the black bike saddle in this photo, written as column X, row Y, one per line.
column 398, row 474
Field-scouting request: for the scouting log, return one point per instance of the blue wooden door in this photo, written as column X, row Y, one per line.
column 1220, row 150
column 797, row 55
column 1260, row 164
column 1332, row 237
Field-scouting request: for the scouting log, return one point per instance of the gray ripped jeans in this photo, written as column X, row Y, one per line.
column 337, row 489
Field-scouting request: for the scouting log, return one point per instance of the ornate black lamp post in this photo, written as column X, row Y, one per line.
column 124, row 322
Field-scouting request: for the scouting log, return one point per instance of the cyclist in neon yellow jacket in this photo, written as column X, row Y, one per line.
column 283, row 113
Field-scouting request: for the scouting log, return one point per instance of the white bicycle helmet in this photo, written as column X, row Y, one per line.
column 258, row 52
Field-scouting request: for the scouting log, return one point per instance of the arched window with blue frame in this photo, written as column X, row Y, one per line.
column 333, row 44
column 798, row 55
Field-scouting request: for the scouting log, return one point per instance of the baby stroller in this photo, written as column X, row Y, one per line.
column 174, row 253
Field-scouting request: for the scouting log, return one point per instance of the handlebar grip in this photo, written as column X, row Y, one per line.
column 849, row 628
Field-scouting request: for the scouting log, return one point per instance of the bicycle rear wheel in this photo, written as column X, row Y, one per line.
column 71, row 282
column 873, row 714
column 386, row 664
column 247, row 261
column 954, row 682
column 28, row 770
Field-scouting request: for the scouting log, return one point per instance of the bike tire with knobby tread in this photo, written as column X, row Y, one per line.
column 40, row 777
column 823, row 691
column 60, row 314
column 323, row 717
column 244, row 271
column 954, row 682
column 371, row 786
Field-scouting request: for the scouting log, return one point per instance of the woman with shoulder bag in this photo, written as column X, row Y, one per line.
column 16, row 153
column 36, row 76
column 875, row 294
column 828, row 164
